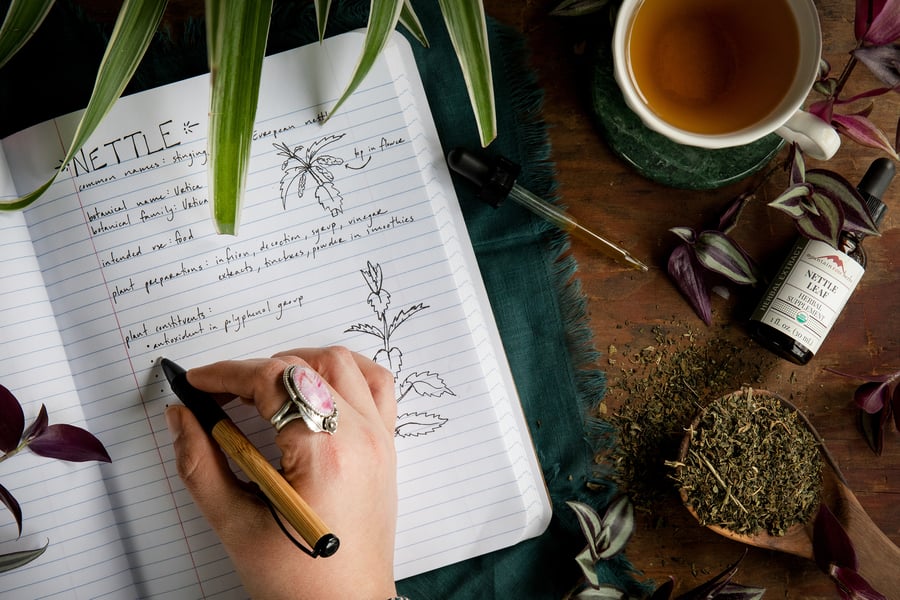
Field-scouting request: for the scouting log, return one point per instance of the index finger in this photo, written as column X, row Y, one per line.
column 258, row 380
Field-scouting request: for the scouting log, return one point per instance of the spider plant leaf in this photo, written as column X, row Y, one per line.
column 468, row 32
column 134, row 30
column 383, row 17
column 410, row 20
column 22, row 19
column 322, row 9
column 237, row 33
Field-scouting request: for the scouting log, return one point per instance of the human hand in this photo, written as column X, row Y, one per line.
column 349, row 479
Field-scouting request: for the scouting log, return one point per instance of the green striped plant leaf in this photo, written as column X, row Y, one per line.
column 468, row 33
column 236, row 39
column 132, row 33
column 22, row 19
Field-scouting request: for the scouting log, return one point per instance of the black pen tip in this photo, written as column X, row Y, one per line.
column 170, row 369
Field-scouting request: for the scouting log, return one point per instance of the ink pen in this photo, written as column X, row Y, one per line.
column 236, row 445
column 496, row 180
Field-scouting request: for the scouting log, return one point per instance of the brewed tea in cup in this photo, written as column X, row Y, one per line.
column 722, row 73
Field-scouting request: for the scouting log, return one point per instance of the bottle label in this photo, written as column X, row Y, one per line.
column 809, row 292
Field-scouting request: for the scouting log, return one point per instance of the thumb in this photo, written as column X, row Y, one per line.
column 203, row 468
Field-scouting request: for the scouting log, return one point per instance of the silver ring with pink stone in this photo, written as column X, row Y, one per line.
column 309, row 399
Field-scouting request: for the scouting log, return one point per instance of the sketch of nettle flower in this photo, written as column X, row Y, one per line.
column 299, row 166
column 423, row 383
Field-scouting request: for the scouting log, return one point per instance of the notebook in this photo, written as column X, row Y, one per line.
column 118, row 264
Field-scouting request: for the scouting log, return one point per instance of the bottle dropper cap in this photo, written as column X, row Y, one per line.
column 493, row 177
column 874, row 184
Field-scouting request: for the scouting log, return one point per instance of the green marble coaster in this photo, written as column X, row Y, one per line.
column 657, row 157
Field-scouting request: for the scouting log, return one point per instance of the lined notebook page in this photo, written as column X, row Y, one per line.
column 335, row 213
column 62, row 503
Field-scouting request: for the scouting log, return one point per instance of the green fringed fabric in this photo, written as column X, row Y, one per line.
column 536, row 299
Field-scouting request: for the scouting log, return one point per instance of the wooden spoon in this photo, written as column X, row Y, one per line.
column 879, row 558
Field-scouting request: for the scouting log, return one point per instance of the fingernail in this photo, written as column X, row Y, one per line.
column 173, row 420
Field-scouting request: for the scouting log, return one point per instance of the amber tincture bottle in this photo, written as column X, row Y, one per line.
column 815, row 281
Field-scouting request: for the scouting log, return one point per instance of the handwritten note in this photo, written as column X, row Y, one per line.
column 337, row 213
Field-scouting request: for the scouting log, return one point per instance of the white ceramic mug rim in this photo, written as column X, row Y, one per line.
column 807, row 73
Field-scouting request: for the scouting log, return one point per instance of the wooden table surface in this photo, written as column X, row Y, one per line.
column 633, row 313
column 630, row 311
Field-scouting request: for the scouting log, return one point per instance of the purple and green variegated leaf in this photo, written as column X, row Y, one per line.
column 720, row 254
column 688, row 276
column 685, row 233
column 872, row 430
column 13, row 505
column 856, row 216
column 866, row 10
column 798, row 165
column 601, row 592
column 736, row 591
column 853, row 584
column 791, row 201
column 591, row 527
column 68, row 442
column 872, row 396
column 885, row 28
column 618, row 520
column 823, row 220
column 586, row 561
column 12, row 420
column 39, row 424
column 14, row 560
column 831, row 544
column 864, row 132
column 729, row 218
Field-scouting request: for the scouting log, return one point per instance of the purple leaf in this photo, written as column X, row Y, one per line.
column 38, row 426
column 872, row 396
column 831, row 545
column 13, row 505
column 732, row 212
column 865, row 12
column 823, row 109
column 720, row 254
column 871, row 428
column 689, row 278
column 853, row 207
column 664, row 592
column 853, row 584
column 864, row 132
column 12, row 422
column 67, row 442
column 895, row 406
column 885, row 27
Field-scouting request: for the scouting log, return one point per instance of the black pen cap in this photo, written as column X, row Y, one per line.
column 493, row 177
column 874, row 184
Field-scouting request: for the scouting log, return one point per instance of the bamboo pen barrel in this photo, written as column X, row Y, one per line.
column 285, row 498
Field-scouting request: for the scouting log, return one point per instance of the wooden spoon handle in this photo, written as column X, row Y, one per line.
column 879, row 558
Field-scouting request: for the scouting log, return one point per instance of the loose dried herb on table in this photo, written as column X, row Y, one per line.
column 752, row 465
column 658, row 391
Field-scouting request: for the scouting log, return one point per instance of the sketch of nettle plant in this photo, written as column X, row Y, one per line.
column 299, row 167
column 423, row 383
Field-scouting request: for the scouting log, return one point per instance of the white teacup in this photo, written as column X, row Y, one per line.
column 722, row 73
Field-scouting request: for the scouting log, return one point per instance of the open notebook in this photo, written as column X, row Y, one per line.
column 118, row 265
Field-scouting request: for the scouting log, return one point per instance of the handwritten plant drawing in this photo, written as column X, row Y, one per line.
column 299, row 166
column 423, row 383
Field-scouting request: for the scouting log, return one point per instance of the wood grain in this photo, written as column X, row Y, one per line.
column 603, row 192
